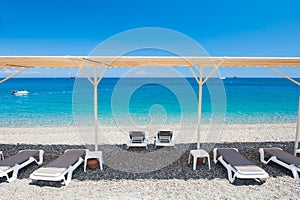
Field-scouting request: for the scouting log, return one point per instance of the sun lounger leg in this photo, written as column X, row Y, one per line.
column 17, row 167
column 295, row 173
column 71, row 169
column 69, row 178
column 231, row 177
column 262, row 156
column 41, row 157
column 14, row 175
column 215, row 155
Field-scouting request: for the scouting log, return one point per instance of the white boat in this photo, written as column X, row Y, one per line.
column 221, row 77
column 19, row 93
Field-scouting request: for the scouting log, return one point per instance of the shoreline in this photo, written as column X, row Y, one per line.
column 119, row 135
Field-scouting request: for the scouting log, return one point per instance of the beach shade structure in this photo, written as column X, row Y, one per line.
column 297, row 130
column 238, row 166
column 16, row 162
column 109, row 62
column 95, row 82
column 164, row 139
column 137, row 139
column 62, row 168
column 282, row 158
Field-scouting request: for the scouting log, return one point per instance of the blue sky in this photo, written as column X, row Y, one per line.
column 223, row 28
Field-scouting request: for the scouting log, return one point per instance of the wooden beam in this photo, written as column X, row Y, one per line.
column 145, row 61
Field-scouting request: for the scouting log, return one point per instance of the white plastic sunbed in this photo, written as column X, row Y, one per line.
column 164, row 138
column 282, row 158
column 238, row 166
column 16, row 162
column 63, row 166
column 137, row 139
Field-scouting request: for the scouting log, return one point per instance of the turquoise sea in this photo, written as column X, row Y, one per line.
column 51, row 102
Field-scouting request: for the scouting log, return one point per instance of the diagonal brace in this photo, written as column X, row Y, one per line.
column 213, row 71
column 194, row 74
column 86, row 76
column 13, row 75
column 102, row 75
column 284, row 75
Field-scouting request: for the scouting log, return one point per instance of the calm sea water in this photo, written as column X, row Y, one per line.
column 58, row 101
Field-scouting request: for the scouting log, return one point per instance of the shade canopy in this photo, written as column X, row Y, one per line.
column 80, row 62
column 149, row 61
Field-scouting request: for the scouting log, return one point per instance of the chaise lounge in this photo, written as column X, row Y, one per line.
column 282, row 158
column 164, row 138
column 60, row 169
column 16, row 162
column 137, row 139
column 238, row 166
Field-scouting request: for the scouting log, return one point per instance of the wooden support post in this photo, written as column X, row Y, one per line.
column 96, row 83
column 297, row 129
column 199, row 106
column 96, row 107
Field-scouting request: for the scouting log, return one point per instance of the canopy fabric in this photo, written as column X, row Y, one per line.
column 145, row 61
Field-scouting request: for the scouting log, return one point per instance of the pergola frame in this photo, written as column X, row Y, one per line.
column 106, row 62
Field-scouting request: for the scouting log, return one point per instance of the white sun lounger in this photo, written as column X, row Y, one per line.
column 282, row 158
column 238, row 166
column 137, row 139
column 164, row 139
column 16, row 162
column 63, row 166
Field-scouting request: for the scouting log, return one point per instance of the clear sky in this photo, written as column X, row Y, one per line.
column 223, row 28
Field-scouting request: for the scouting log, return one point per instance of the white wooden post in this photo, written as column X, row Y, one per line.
column 297, row 129
column 200, row 83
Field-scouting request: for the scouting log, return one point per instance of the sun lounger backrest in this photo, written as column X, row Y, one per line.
column 19, row 158
column 283, row 156
column 68, row 158
column 165, row 136
column 165, row 133
column 234, row 158
column 137, row 136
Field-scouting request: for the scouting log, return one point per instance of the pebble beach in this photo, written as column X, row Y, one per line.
column 176, row 180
